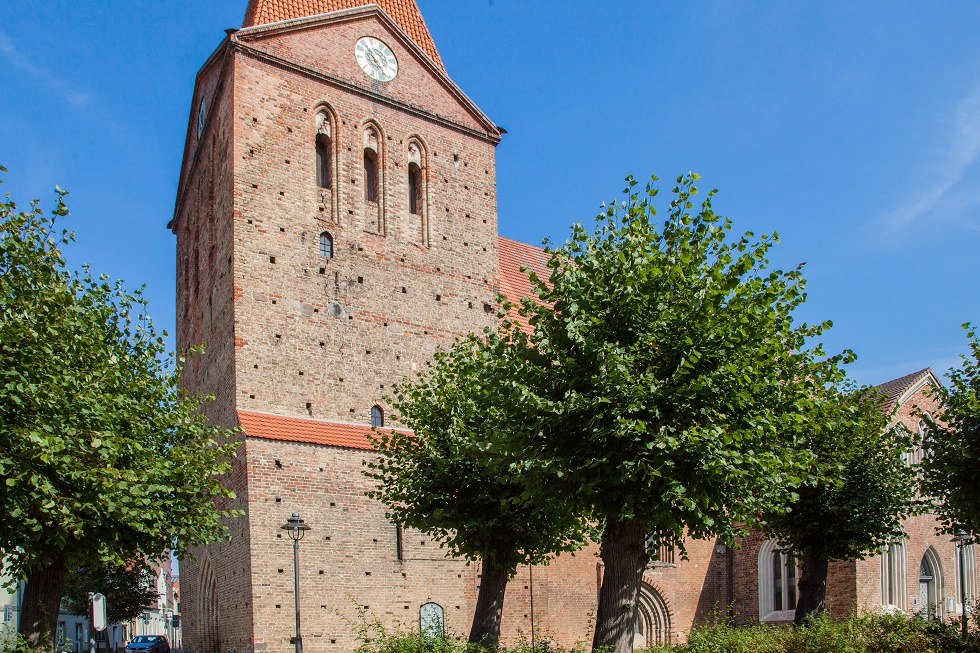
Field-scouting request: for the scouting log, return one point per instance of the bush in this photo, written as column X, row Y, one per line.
column 867, row 634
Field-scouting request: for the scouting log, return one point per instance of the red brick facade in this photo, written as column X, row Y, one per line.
column 301, row 346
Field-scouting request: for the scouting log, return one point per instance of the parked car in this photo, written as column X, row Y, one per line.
column 148, row 644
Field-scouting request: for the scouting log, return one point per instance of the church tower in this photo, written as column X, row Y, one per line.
column 336, row 223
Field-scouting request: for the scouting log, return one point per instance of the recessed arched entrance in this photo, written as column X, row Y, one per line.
column 652, row 625
column 930, row 586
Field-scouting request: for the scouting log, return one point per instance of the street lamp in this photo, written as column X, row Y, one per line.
column 296, row 528
column 961, row 539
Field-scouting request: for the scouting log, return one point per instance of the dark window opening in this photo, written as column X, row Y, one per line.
column 370, row 175
column 414, row 189
column 377, row 417
column 326, row 245
column 399, row 546
column 323, row 160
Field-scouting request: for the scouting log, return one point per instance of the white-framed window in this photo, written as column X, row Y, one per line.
column 894, row 578
column 778, row 576
column 969, row 577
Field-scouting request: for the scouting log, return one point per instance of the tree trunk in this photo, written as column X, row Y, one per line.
column 624, row 556
column 489, row 606
column 813, row 588
column 42, row 603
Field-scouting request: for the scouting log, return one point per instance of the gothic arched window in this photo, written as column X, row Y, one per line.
column 323, row 161
column 377, row 417
column 326, row 245
column 414, row 189
column 894, row 577
column 777, row 583
column 324, row 147
column 372, row 164
column 969, row 575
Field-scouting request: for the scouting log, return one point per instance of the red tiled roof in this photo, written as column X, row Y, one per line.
column 514, row 284
column 893, row 390
column 404, row 12
column 295, row 429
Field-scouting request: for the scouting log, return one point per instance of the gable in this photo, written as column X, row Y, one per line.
column 404, row 12
column 323, row 47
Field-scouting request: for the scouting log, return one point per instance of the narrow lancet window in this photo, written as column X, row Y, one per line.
column 370, row 175
column 414, row 189
column 323, row 160
column 326, row 245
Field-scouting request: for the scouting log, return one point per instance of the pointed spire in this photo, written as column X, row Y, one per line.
column 404, row 12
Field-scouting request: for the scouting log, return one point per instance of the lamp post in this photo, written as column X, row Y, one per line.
column 296, row 528
column 961, row 539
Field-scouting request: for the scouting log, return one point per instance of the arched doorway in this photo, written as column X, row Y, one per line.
column 652, row 626
column 930, row 586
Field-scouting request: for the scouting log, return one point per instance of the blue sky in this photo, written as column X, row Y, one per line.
column 851, row 128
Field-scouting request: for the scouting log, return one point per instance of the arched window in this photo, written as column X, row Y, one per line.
column 417, row 202
column 377, row 416
column 372, row 171
column 323, row 160
column 414, row 189
column 777, row 583
column 922, row 442
column 894, row 577
column 432, row 620
column 969, row 576
column 370, row 175
column 326, row 245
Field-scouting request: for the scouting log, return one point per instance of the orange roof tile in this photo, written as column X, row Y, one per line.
column 313, row 431
column 404, row 12
column 514, row 284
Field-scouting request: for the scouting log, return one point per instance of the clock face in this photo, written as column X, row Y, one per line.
column 376, row 59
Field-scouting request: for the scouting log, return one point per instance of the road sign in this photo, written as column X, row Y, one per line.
column 99, row 617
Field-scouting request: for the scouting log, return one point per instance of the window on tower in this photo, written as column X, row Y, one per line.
column 324, row 145
column 326, row 245
column 323, row 160
column 377, row 417
column 370, row 175
column 414, row 189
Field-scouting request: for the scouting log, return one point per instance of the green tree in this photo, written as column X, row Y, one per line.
column 952, row 467
column 672, row 381
column 440, row 479
column 129, row 590
column 103, row 458
column 857, row 496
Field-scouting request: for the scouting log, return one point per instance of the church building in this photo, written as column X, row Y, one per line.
column 336, row 223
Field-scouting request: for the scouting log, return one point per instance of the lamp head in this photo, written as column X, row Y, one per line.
column 296, row 527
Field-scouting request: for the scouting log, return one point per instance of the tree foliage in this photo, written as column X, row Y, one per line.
column 104, row 459
column 672, row 380
column 439, row 478
column 858, row 494
column 952, row 467
column 129, row 591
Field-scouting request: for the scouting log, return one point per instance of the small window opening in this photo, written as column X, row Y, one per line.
column 326, row 245
column 414, row 189
column 370, row 175
column 323, row 160
column 377, row 417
